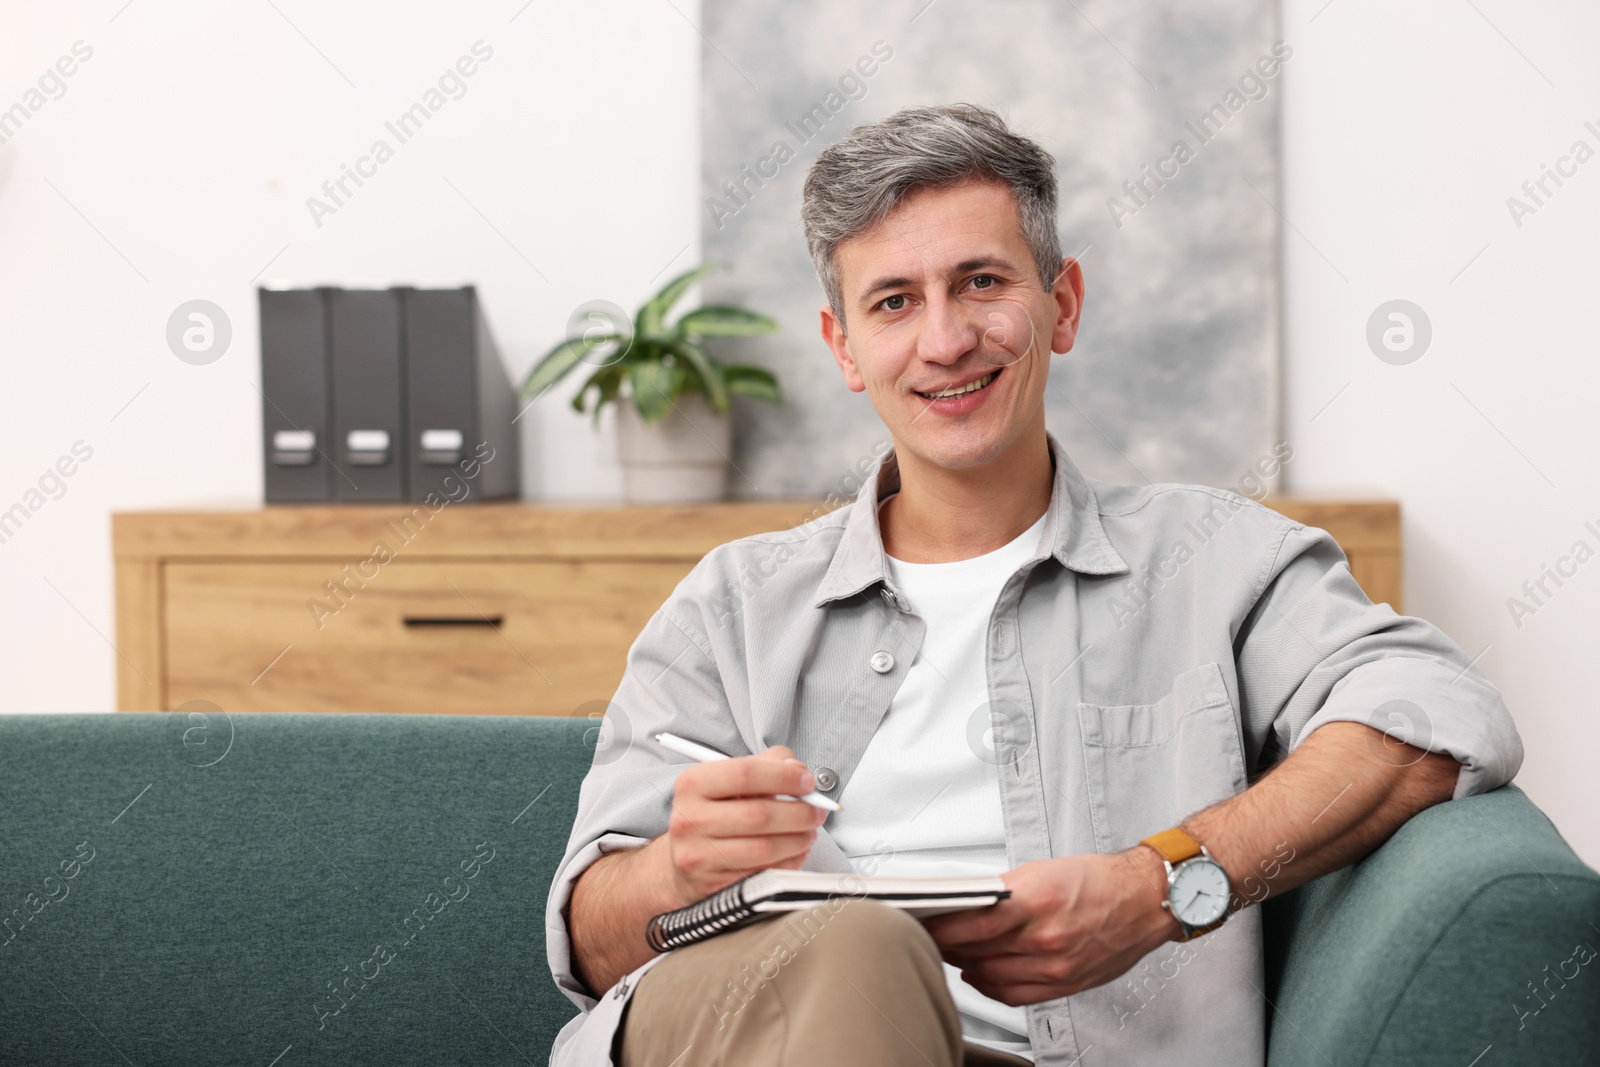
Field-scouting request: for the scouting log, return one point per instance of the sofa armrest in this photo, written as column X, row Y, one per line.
column 1473, row 927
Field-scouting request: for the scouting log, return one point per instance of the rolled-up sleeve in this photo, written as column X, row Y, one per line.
column 1314, row 649
column 671, row 682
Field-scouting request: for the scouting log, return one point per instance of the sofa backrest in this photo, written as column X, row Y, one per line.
column 352, row 888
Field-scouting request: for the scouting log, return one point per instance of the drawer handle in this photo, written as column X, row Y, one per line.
column 453, row 620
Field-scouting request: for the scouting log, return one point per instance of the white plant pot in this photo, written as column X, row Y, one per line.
column 682, row 458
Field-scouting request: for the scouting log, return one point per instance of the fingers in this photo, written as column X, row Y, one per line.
column 747, row 817
column 977, row 931
column 745, row 855
column 1013, row 969
column 749, row 776
column 1028, row 978
column 1020, row 994
column 726, row 821
column 704, row 865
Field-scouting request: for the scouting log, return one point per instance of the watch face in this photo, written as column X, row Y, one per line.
column 1199, row 891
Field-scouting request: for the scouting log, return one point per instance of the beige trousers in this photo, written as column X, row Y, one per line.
column 848, row 982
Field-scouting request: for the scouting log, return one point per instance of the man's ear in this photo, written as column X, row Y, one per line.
column 833, row 333
column 1068, row 296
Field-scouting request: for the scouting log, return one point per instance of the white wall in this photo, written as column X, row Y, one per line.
column 1406, row 128
column 191, row 138
column 190, row 141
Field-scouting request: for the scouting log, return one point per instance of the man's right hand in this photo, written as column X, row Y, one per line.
column 726, row 822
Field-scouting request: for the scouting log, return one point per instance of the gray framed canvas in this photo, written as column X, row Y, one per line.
column 1163, row 120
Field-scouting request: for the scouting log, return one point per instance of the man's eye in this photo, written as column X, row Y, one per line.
column 884, row 303
column 979, row 277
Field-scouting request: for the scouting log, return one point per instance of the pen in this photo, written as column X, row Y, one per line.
column 702, row 754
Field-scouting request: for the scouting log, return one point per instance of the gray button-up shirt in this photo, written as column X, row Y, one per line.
column 1164, row 646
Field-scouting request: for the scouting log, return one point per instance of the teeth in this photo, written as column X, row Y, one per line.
column 979, row 384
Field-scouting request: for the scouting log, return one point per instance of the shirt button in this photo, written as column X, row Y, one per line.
column 882, row 662
column 826, row 778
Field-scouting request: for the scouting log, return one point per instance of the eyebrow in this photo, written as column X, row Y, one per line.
column 975, row 263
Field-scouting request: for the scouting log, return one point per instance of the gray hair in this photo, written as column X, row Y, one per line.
column 856, row 183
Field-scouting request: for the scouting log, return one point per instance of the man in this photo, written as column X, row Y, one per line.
column 995, row 665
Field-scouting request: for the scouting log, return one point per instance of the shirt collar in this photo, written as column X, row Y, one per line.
column 1072, row 529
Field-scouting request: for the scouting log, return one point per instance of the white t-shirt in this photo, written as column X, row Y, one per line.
column 928, row 785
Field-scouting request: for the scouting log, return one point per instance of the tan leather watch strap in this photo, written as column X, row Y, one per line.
column 1198, row 930
column 1174, row 845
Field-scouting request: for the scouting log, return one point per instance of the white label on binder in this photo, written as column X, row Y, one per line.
column 294, row 440
column 367, row 440
column 441, row 440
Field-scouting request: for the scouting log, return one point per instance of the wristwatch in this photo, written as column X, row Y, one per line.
column 1197, row 886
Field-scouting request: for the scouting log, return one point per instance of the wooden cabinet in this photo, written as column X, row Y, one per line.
column 487, row 609
column 421, row 635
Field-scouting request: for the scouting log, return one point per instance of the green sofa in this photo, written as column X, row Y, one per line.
column 369, row 889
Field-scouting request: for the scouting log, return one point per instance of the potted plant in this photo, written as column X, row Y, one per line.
column 674, row 428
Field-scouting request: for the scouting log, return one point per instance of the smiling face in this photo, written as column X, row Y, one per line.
column 944, row 294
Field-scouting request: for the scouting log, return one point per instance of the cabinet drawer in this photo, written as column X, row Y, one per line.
column 419, row 635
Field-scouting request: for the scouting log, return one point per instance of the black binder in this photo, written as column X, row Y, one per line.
column 387, row 395
column 297, row 397
column 462, row 442
column 368, row 363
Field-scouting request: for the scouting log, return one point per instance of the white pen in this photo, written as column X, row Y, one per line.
column 701, row 754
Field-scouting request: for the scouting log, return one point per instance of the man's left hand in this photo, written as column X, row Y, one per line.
column 1070, row 924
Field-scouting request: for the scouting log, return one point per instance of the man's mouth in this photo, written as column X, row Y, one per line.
column 961, row 390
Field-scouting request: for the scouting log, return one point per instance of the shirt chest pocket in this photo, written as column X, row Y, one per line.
column 1150, row 766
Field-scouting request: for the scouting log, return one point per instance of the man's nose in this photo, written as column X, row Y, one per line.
column 948, row 331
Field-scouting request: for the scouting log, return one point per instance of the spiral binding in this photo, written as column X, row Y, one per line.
column 722, row 910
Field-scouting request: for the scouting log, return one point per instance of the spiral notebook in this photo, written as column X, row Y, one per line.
column 781, row 890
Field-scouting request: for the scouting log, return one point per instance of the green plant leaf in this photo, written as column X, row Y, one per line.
column 645, row 351
column 752, row 381
column 559, row 361
column 654, row 312
column 605, row 383
column 708, row 372
column 654, row 387
column 725, row 320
